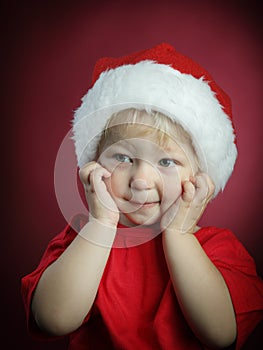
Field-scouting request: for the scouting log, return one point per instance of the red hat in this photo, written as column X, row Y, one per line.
column 160, row 79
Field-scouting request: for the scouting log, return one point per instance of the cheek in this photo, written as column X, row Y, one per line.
column 172, row 189
column 116, row 184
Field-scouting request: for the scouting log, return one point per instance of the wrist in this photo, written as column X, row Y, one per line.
column 99, row 233
column 174, row 240
column 175, row 231
column 181, row 230
column 104, row 222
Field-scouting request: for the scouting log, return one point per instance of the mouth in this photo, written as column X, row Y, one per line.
column 144, row 204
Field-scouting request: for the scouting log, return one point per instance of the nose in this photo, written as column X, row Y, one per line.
column 144, row 176
column 139, row 184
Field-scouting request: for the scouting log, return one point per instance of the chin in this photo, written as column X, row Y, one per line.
column 134, row 220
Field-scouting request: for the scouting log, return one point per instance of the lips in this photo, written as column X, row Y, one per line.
column 144, row 204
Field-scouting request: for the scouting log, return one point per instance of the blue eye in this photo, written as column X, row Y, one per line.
column 122, row 158
column 166, row 162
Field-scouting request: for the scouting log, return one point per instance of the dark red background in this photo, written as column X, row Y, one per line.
column 48, row 52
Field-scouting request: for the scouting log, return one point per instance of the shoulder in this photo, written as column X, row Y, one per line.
column 62, row 240
column 55, row 248
column 221, row 245
column 70, row 231
column 211, row 237
column 205, row 234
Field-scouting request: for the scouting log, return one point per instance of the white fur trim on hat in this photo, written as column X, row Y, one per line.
column 185, row 99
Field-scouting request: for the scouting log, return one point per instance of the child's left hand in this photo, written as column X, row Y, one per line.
column 183, row 215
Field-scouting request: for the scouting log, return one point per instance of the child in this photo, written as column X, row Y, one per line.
column 155, row 142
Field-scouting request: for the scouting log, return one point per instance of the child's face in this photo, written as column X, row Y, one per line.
column 146, row 177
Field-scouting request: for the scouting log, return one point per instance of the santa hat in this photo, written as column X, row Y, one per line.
column 160, row 79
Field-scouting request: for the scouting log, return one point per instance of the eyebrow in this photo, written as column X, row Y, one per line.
column 126, row 144
column 178, row 152
column 171, row 149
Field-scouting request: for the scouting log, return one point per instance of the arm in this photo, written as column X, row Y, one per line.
column 199, row 286
column 67, row 289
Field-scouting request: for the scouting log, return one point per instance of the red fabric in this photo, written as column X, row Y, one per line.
column 136, row 307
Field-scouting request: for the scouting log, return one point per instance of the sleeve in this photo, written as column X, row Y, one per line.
column 28, row 284
column 239, row 272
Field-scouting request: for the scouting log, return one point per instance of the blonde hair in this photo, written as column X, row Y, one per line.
column 142, row 123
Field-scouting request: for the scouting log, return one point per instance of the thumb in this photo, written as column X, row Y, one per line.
column 188, row 191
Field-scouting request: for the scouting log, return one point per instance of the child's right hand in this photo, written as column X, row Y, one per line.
column 101, row 205
column 184, row 214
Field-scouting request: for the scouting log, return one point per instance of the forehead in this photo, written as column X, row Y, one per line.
column 144, row 144
column 133, row 122
column 138, row 132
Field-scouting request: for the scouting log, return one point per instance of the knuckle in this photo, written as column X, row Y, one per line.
column 82, row 174
column 85, row 171
column 212, row 188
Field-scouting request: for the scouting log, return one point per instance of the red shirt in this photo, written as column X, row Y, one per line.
column 136, row 307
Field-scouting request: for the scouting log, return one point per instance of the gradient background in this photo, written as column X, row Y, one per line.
column 48, row 52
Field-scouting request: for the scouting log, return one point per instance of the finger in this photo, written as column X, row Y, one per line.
column 101, row 188
column 188, row 191
column 98, row 174
column 95, row 181
column 84, row 172
column 204, row 187
column 201, row 187
column 211, row 186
